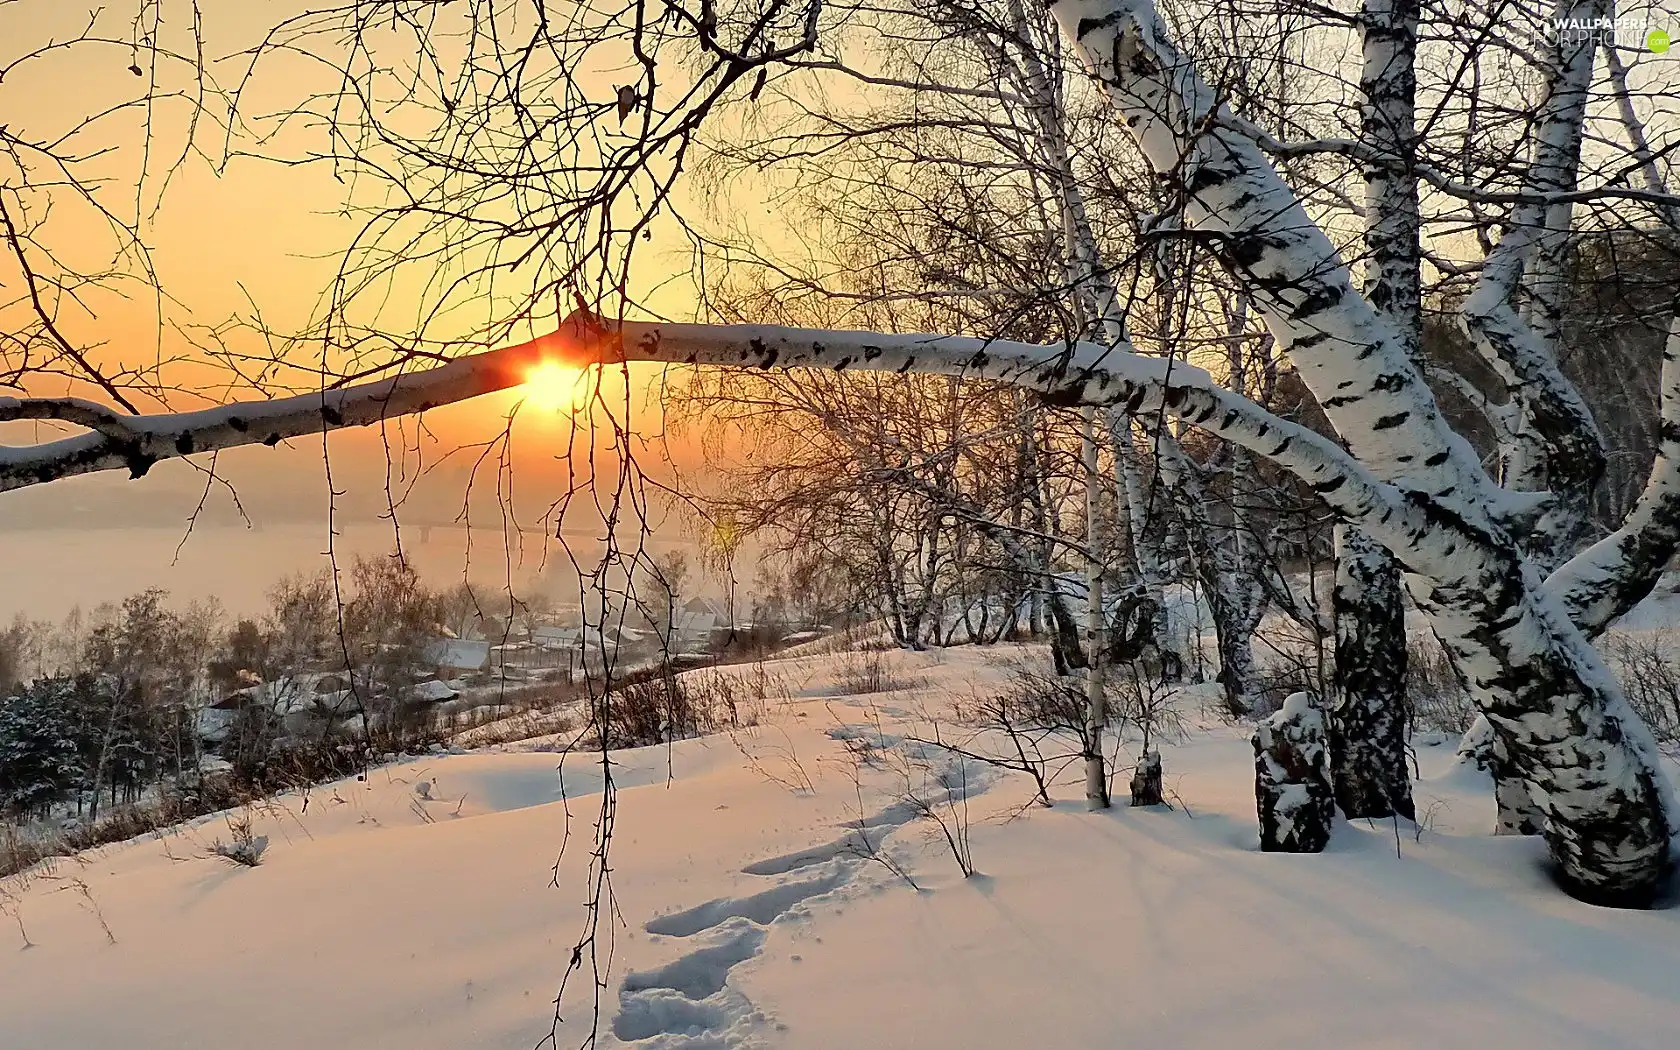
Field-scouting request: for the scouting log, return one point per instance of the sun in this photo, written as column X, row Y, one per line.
column 555, row 387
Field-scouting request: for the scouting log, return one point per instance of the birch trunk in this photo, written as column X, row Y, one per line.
column 1146, row 554
column 1366, row 718
column 1367, row 723
column 1232, row 597
column 1096, row 700
column 1553, row 444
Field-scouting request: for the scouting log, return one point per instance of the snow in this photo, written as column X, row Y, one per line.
column 435, row 692
column 1298, row 706
column 759, row 915
column 460, row 654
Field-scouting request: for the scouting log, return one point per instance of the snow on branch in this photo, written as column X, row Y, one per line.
column 1569, row 436
column 1067, row 375
column 118, row 441
column 1073, row 375
column 1616, row 573
column 1354, row 360
column 1080, row 374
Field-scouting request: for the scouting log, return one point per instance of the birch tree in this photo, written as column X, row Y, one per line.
column 1366, row 723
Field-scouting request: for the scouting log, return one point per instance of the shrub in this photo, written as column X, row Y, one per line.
column 1035, row 699
column 1435, row 696
column 1649, row 672
column 243, row 847
column 866, row 671
column 666, row 708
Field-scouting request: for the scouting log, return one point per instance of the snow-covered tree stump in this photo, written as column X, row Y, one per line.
column 1292, row 779
column 1146, row 780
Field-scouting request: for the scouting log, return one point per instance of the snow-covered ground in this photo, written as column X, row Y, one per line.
column 391, row 914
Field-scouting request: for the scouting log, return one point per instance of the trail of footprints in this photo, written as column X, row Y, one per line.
column 688, row 1003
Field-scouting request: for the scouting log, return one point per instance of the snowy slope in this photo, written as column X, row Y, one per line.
column 752, row 917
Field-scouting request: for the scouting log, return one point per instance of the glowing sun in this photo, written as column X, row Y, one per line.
column 555, row 387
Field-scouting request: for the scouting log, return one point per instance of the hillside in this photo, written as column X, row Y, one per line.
column 754, row 915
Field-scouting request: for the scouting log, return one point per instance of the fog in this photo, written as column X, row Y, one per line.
column 87, row 540
column 51, row 571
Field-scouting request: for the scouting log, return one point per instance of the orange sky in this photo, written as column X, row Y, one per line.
column 255, row 235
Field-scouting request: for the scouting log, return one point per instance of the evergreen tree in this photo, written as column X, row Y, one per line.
column 40, row 762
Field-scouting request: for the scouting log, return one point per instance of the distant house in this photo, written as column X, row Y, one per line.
column 625, row 635
column 297, row 701
column 694, row 623
column 698, row 605
column 692, row 629
column 555, row 638
column 453, row 657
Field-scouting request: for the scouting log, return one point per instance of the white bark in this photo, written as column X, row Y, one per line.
column 1588, row 761
column 1388, row 82
column 1354, row 361
column 1557, row 158
column 1096, row 703
column 1555, row 418
column 1366, row 710
column 1146, row 555
column 116, row 441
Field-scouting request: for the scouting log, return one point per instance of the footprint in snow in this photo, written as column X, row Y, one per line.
column 687, row 1004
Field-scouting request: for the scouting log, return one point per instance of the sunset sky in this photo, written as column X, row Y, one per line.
column 231, row 234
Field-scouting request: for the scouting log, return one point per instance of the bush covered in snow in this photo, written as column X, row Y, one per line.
column 242, row 847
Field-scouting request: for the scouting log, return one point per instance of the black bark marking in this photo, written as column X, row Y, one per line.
column 1320, row 299
column 1091, row 25
column 139, row 463
column 1208, row 177
column 1247, row 250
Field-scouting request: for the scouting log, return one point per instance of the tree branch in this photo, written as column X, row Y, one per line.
column 1616, row 573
